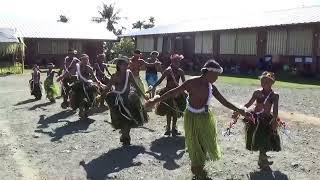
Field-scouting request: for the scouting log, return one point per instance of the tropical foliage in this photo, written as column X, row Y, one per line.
column 125, row 47
column 63, row 18
column 142, row 24
column 111, row 15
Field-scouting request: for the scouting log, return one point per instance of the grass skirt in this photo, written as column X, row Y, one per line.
column 171, row 106
column 67, row 85
column 119, row 116
column 79, row 95
column 140, row 84
column 35, row 89
column 259, row 136
column 201, row 137
column 52, row 90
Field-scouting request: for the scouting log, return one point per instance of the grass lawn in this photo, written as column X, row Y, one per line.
column 283, row 81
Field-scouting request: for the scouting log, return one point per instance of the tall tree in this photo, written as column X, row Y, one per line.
column 138, row 25
column 141, row 24
column 110, row 14
column 63, row 18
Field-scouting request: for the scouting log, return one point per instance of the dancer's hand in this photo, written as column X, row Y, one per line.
column 151, row 102
column 59, row 78
column 146, row 97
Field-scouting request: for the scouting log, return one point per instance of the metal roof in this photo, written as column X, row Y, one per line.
column 27, row 28
column 239, row 21
column 8, row 35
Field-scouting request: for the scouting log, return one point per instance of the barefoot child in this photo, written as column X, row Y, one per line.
column 35, row 83
column 199, row 121
column 171, row 107
column 261, row 129
column 125, row 106
column 52, row 89
column 152, row 71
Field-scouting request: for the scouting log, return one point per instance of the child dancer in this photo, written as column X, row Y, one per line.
column 35, row 83
column 52, row 89
column 125, row 106
column 199, row 121
column 173, row 106
column 152, row 71
column 261, row 129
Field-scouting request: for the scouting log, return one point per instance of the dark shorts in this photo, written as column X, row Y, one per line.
column 151, row 79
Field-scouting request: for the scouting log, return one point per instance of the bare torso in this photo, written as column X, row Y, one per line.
column 198, row 92
column 264, row 101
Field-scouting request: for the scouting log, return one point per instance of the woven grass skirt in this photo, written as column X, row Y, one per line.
column 171, row 106
column 260, row 136
column 89, row 96
column 201, row 137
column 119, row 116
column 140, row 84
column 52, row 89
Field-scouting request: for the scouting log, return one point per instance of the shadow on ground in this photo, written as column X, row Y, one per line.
column 166, row 149
column 267, row 175
column 40, row 105
column 45, row 121
column 113, row 161
column 26, row 102
column 71, row 127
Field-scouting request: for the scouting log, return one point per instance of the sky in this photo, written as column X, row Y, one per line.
column 164, row 11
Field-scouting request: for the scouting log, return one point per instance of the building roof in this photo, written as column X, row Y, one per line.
column 8, row 35
column 31, row 28
column 272, row 18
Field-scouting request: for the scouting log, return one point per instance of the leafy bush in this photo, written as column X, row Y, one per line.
column 124, row 48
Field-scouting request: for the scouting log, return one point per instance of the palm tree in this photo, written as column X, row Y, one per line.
column 63, row 18
column 152, row 20
column 110, row 14
column 138, row 25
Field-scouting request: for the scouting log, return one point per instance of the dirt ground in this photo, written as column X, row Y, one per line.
column 39, row 140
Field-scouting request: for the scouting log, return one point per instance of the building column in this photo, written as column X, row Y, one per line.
column 261, row 43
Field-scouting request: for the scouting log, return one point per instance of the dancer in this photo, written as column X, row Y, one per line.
column 35, row 83
column 68, row 77
column 100, row 67
column 261, row 130
column 51, row 89
column 199, row 121
column 125, row 106
column 152, row 71
column 86, row 89
column 135, row 66
column 172, row 107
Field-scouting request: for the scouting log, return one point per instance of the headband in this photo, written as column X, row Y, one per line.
column 217, row 70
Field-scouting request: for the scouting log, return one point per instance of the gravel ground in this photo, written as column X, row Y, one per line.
column 42, row 141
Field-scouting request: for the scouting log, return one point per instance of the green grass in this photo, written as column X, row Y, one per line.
column 12, row 69
column 284, row 81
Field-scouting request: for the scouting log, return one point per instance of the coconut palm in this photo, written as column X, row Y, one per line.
column 138, row 25
column 110, row 14
column 63, row 18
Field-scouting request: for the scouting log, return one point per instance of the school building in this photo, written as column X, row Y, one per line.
column 50, row 41
column 289, row 37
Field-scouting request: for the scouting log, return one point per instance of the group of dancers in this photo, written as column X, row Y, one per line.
column 85, row 86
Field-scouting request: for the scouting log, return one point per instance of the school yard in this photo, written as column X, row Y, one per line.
column 40, row 140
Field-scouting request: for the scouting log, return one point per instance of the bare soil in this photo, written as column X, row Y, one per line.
column 39, row 140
